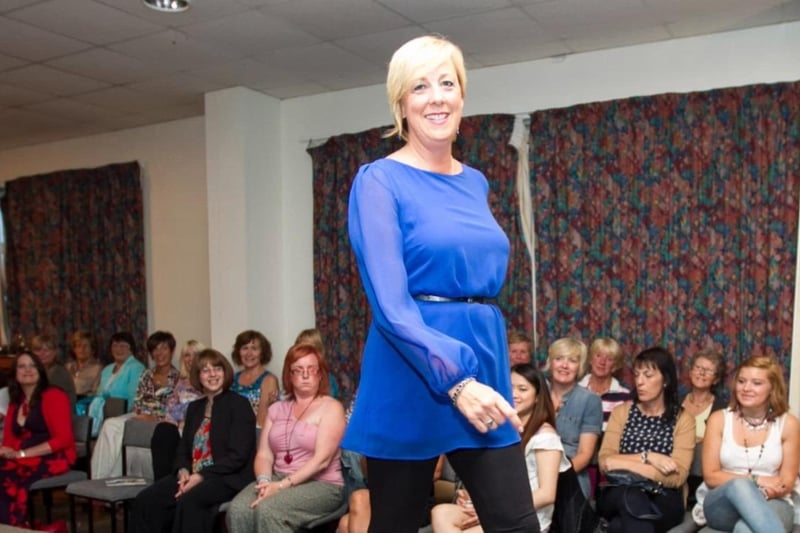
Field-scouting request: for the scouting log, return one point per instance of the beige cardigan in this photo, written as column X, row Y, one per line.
column 682, row 450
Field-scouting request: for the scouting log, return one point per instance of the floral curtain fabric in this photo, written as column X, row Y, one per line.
column 341, row 309
column 670, row 220
column 75, row 248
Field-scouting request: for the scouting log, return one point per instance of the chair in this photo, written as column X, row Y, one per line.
column 137, row 435
column 82, row 429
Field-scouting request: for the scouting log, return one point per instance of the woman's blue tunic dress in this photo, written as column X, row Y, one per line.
column 416, row 232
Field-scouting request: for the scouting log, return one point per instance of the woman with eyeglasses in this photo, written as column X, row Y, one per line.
column 37, row 437
column 213, row 459
column 297, row 465
column 706, row 376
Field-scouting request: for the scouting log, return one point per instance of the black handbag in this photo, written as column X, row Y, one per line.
column 572, row 512
column 626, row 478
column 638, row 493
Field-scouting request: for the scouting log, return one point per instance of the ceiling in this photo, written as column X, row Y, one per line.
column 73, row 68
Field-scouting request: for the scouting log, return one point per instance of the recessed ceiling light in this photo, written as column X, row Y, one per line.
column 167, row 6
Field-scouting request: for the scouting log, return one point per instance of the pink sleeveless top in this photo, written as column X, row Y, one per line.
column 298, row 438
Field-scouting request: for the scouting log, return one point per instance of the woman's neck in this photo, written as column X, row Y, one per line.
column 27, row 391
column 252, row 370
column 599, row 385
column 80, row 363
column 162, row 370
column 437, row 159
column 701, row 396
column 561, row 389
column 755, row 412
column 653, row 407
column 525, row 418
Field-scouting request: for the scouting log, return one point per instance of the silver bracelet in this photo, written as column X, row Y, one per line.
column 459, row 388
column 263, row 477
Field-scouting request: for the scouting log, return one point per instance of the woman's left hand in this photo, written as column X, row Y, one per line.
column 485, row 408
column 185, row 484
column 7, row 453
column 663, row 463
column 264, row 490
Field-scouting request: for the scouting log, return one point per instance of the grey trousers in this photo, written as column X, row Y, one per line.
column 286, row 511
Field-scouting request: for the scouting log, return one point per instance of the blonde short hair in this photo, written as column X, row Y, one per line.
column 568, row 347
column 609, row 346
column 406, row 65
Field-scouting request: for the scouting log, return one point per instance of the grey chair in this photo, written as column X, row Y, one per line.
column 82, row 430
column 137, row 435
column 696, row 469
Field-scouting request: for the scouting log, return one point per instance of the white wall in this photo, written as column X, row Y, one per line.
column 172, row 158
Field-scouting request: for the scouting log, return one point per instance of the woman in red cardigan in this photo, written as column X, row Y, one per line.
column 37, row 437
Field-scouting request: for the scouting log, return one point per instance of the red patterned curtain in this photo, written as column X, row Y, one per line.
column 75, row 253
column 670, row 220
column 341, row 308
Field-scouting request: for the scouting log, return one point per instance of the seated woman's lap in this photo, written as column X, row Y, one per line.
column 296, row 506
column 612, row 506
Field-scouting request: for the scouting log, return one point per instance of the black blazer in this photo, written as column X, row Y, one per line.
column 233, row 439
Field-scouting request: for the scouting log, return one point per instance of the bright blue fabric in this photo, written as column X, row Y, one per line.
column 123, row 385
column 418, row 232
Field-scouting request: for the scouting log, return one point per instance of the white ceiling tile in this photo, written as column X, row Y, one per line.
column 599, row 38
column 512, row 54
column 113, row 67
column 423, row 11
column 293, row 91
column 25, row 41
column 251, row 32
column 72, row 110
column 731, row 18
column 181, row 87
column 377, row 48
column 318, row 62
column 49, row 80
column 85, row 20
column 362, row 79
column 247, row 73
column 13, row 96
column 7, row 62
column 334, row 19
column 10, row 5
column 174, row 49
column 119, row 99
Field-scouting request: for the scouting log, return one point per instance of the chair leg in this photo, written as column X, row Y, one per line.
column 31, row 512
column 114, row 517
column 91, row 516
column 47, row 498
column 72, row 525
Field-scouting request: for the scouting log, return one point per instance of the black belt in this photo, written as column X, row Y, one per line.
column 445, row 299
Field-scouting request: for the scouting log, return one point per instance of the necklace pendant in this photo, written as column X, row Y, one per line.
column 288, row 458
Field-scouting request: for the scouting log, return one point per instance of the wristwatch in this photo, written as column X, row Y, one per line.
column 644, row 457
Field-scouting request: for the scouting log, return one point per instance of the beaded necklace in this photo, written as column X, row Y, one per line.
column 288, row 458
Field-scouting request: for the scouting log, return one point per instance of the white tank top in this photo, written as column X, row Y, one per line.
column 764, row 461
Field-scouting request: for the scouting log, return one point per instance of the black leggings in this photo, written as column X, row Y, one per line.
column 496, row 479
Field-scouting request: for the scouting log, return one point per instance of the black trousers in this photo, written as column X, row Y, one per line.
column 496, row 479
column 618, row 505
column 156, row 510
column 163, row 449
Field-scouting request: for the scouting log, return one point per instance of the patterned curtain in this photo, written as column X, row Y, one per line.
column 342, row 312
column 670, row 220
column 75, row 253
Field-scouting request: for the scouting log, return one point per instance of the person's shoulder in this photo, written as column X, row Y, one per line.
column 622, row 409
column 792, row 424
column 331, row 404
column 54, row 394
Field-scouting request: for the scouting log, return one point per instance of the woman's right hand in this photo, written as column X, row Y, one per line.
column 264, row 489
column 485, row 408
column 663, row 463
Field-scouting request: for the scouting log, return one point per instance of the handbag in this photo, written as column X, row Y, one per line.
column 572, row 512
column 634, row 485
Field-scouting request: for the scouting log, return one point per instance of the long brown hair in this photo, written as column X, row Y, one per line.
column 543, row 411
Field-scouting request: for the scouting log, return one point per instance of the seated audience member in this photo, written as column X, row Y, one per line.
column 84, row 367
column 167, row 434
column 155, row 387
column 651, row 437
column 46, row 350
column 297, row 465
column 214, row 459
column 544, row 456
column 313, row 336
column 605, row 358
column 751, row 454
column 579, row 413
column 706, row 377
column 119, row 379
column 252, row 351
column 520, row 348
column 37, row 437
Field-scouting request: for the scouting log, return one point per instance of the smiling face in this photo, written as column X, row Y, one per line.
column 703, row 374
column 27, row 373
column 212, row 378
column 523, row 394
column 250, row 354
column 162, row 355
column 649, row 382
column 564, row 369
column 120, row 350
column 602, row 364
column 45, row 353
column 433, row 105
column 753, row 388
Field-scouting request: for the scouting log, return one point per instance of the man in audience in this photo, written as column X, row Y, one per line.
column 520, row 348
